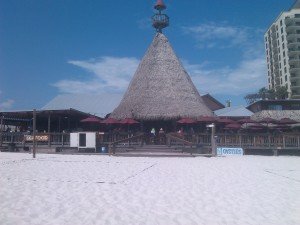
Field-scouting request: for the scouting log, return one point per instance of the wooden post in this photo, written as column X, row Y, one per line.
column 109, row 149
column 213, row 143
column 49, row 129
column 59, row 121
column 34, row 132
column 62, row 139
column 1, row 130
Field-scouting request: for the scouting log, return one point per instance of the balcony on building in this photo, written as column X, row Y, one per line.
column 292, row 27
column 293, row 43
column 295, row 68
column 295, row 76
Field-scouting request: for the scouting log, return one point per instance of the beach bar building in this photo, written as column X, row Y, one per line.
column 161, row 110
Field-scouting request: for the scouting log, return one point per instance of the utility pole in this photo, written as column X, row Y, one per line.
column 34, row 129
column 1, row 130
column 212, row 138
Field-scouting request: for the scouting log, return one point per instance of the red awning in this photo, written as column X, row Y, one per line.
column 187, row 121
column 91, row 119
column 128, row 121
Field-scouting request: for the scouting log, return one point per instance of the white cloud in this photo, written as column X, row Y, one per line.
column 7, row 104
column 108, row 74
column 250, row 73
column 247, row 77
column 222, row 35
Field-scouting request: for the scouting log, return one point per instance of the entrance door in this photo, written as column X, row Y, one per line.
column 82, row 139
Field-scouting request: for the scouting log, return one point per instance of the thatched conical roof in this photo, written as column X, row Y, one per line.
column 161, row 89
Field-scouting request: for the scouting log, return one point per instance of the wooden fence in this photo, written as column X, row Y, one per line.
column 254, row 141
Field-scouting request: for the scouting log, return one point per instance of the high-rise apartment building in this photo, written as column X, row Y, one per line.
column 282, row 45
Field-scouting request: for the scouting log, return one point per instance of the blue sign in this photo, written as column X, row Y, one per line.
column 229, row 151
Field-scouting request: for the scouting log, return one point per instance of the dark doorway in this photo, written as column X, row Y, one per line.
column 82, row 140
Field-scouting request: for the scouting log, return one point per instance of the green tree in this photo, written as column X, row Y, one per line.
column 263, row 93
column 281, row 92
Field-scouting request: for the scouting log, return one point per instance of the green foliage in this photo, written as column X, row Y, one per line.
column 281, row 93
column 264, row 93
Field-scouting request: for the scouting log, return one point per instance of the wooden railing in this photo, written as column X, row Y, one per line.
column 174, row 139
column 284, row 140
column 19, row 138
column 138, row 139
column 253, row 141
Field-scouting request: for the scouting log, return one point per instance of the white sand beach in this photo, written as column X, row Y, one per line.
column 77, row 189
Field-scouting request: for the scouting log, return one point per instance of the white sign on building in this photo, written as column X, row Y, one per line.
column 230, row 151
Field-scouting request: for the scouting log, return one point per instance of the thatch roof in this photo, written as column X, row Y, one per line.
column 277, row 114
column 161, row 89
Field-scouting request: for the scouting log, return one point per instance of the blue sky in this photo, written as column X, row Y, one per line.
column 51, row 47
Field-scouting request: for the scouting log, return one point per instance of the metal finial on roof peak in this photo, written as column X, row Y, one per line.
column 160, row 20
column 160, row 5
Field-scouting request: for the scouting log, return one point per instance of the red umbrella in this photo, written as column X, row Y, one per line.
column 225, row 120
column 110, row 121
column 268, row 120
column 91, row 119
column 128, row 121
column 282, row 126
column 207, row 119
column 233, row 126
column 287, row 121
column 256, row 125
column 186, row 121
column 246, row 120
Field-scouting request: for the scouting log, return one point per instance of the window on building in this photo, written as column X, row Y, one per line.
column 282, row 45
column 266, row 46
column 281, row 30
column 285, row 78
column 275, row 107
column 283, row 53
column 282, row 38
column 284, row 61
column 280, row 22
column 295, row 106
column 280, row 65
column 280, row 80
column 285, row 70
